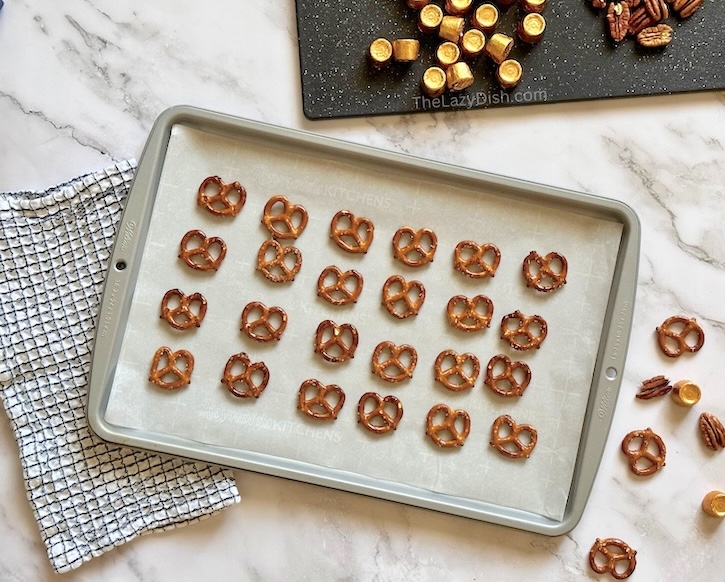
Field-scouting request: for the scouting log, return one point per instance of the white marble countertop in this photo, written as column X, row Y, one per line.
column 81, row 82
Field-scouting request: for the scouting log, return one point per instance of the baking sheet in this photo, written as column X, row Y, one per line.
column 574, row 61
column 555, row 402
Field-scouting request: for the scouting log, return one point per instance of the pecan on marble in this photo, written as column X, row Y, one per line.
column 654, row 388
column 618, row 20
column 712, row 432
column 685, row 8
column 655, row 36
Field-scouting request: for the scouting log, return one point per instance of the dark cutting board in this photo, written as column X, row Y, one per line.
column 575, row 60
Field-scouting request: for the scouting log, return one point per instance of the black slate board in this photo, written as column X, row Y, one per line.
column 574, row 61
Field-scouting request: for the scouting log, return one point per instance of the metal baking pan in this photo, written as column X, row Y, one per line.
column 577, row 372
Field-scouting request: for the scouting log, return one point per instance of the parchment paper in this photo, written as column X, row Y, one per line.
column 205, row 412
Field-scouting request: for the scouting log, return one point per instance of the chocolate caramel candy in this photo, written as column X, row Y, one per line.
column 473, row 43
column 531, row 28
column 406, row 50
column 533, row 5
column 485, row 18
column 447, row 54
column 459, row 76
column 430, row 18
column 686, row 393
column 451, row 28
column 417, row 4
column 498, row 47
column 434, row 81
column 509, row 73
column 380, row 53
column 458, row 7
column 714, row 504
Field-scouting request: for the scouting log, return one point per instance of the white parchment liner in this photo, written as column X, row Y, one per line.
column 205, row 412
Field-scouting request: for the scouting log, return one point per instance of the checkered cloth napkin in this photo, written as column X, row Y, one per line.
column 87, row 495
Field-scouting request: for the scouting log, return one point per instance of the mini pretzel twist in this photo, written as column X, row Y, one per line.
column 613, row 551
column 410, row 306
column 169, row 376
column 464, row 314
column 476, row 261
column 242, row 385
column 393, row 353
column 414, row 253
column 261, row 328
column 184, row 315
column 354, row 238
column 541, row 274
column 338, row 292
column 276, row 269
column 336, row 348
column 654, row 461
column 505, row 382
column 201, row 257
column 666, row 335
column 319, row 405
column 378, row 419
column 445, row 434
column 501, row 442
column 219, row 201
column 455, row 377
column 523, row 337
column 280, row 223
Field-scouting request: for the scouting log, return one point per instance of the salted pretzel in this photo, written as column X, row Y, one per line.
column 511, row 379
column 613, row 551
column 336, row 343
column 445, row 433
column 276, row 269
column 165, row 372
column 545, row 273
column 324, row 402
column 455, row 377
column 510, row 443
column 467, row 314
column 262, row 323
column 351, row 233
column 529, row 331
column 414, row 248
column 283, row 219
column 338, row 292
column 653, row 462
column 392, row 368
column 378, row 419
column 243, row 384
column 400, row 304
column 201, row 252
column 221, row 198
column 476, row 261
column 183, row 311
column 674, row 332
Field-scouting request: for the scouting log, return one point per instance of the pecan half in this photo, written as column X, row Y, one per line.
column 639, row 20
column 712, row 431
column 657, row 9
column 599, row 3
column 655, row 36
column 633, row 4
column 685, row 8
column 654, row 387
column 618, row 20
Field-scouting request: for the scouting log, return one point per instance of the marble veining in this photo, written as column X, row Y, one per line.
column 82, row 82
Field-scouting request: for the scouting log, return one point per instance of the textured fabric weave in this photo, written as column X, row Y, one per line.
column 87, row 495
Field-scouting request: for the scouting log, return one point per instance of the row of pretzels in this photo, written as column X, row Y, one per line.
column 379, row 414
